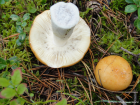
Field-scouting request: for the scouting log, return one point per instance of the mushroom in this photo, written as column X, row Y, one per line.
column 59, row 37
column 113, row 73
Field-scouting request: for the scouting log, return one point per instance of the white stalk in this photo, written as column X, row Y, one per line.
column 64, row 16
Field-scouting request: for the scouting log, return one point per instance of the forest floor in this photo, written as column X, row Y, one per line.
column 113, row 32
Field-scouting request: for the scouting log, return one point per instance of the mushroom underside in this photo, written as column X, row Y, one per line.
column 41, row 42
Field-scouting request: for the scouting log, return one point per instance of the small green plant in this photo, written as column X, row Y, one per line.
column 81, row 102
column 13, row 88
column 12, row 62
column 20, row 26
column 62, row 102
column 134, row 6
column 3, row 1
column 117, row 5
column 83, row 14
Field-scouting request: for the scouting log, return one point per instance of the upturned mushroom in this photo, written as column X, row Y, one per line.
column 59, row 37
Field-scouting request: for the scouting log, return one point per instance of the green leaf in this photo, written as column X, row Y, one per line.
column 2, row 1
column 130, row 8
column 17, row 3
column 3, row 101
column 2, row 63
column 63, row 102
column 14, row 60
column 18, row 23
column 11, row 86
column 22, row 37
column 14, row 67
column 20, row 101
column 19, row 29
column 138, row 24
column 136, row 2
column 43, row 1
column 7, row 93
column 31, row 95
column 4, row 82
column 3, row 16
column 23, row 24
column 21, row 88
column 15, row 17
column 16, row 76
column 139, row 12
column 23, row 71
column 13, row 102
column 26, row 16
column 5, row 73
column 27, row 29
column 32, row 9
column 7, row 61
column 104, row 8
column 135, row 22
column 129, row 1
column 18, row 42
column 6, row 0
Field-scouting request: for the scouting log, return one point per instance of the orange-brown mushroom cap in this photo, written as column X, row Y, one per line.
column 113, row 73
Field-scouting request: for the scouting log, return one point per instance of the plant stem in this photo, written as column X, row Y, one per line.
column 136, row 56
column 35, row 3
column 7, row 68
column 43, row 102
column 25, row 4
column 8, row 102
column 0, row 11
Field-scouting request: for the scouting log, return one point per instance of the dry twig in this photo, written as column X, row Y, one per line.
column 136, row 56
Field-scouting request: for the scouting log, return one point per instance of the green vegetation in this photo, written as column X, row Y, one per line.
column 134, row 6
column 20, row 25
column 118, row 5
column 13, row 88
column 30, row 82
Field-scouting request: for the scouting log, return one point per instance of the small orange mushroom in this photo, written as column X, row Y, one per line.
column 113, row 73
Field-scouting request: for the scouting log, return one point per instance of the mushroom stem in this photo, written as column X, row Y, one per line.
column 64, row 16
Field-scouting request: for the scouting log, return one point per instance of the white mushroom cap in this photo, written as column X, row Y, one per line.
column 41, row 41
